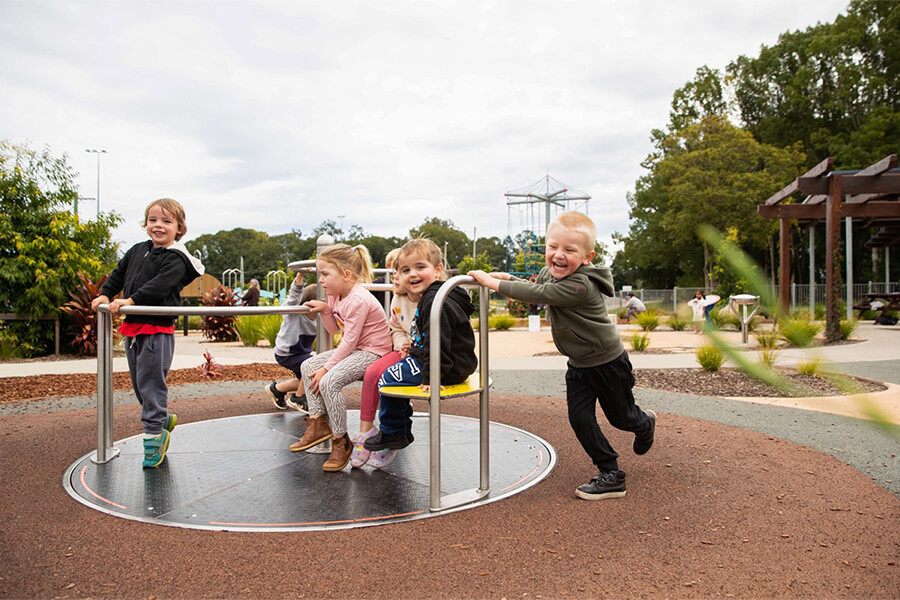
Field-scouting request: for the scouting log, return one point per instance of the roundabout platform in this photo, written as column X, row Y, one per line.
column 238, row 474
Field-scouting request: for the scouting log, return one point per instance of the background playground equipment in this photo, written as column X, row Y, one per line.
column 554, row 197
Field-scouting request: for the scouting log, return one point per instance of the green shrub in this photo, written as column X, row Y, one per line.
column 810, row 367
column 11, row 347
column 640, row 342
column 725, row 319
column 501, row 322
column 710, row 358
column 249, row 329
column 767, row 357
column 869, row 315
column 798, row 332
column 767, row 340
column 271, row 325
column 648, row 321
column 676, row 324
column 621, row 313
column 848, row 327
column 819, row 312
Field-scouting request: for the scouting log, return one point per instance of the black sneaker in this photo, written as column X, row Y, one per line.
column 642, row 443
column 382, row 440
column 603, row 486
column 299, row 404
column 276, row 396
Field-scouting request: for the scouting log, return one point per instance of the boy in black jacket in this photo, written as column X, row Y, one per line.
column 152, row 273
column 421, row 270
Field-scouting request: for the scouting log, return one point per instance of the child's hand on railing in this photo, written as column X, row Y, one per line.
column 316, row 306
column 118, row 303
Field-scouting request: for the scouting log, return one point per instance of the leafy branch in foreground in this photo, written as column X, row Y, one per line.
column 742, row 264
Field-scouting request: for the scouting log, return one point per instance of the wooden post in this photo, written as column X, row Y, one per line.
column 784, row 269
column 833, row 258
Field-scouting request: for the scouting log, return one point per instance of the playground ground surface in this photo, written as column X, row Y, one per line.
column 750, row 498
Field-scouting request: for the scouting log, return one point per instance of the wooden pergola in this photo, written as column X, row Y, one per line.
column 871, row 195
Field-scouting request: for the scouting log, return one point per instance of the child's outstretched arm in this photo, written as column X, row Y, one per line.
column 489, row 280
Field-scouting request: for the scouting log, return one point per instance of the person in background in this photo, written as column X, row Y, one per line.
column 293, row 346
column 698, row 305
column 634, row 307
column 251, row 296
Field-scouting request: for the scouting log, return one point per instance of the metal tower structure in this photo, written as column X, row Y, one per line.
column 545, row 198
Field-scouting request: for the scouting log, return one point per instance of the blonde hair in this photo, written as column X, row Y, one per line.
column 355, row 259
column 578, row 223
column 426, row 249
column 391, row 259
column 173, row 208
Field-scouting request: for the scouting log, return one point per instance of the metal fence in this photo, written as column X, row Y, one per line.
column 671, row 299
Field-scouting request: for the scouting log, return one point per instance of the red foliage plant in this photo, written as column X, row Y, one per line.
column 219, row 328
column 84, row 318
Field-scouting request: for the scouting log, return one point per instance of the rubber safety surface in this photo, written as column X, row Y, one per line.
column 238, row 474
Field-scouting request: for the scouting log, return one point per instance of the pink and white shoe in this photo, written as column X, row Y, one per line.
column 360, row 455
column 382, row 458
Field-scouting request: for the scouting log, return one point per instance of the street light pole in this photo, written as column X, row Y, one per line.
column 98, row 153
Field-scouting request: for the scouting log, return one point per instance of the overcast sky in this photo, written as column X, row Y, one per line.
column 277, row 115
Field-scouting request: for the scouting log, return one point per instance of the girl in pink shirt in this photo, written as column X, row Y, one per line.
column 365, row 337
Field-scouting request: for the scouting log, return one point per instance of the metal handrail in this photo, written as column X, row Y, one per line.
column 434, row 405
column 105, row 449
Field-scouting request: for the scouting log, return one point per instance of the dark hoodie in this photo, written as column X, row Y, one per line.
column 153, row 277
column 458, row 359
column 577, row 311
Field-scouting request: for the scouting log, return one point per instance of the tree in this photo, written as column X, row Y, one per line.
column 44, row 246
column 710, row 173
column 834, row 87
column 224, row 250
column 440, row 232
column 494, row 251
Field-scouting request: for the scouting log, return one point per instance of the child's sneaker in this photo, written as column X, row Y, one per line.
column 384, row 441
column 276, row 396
column 171, row 421
column 382, row 458
column 298, row 403
column 360, row 455
column 155, row 450
column 604, row 485
column 642, row 443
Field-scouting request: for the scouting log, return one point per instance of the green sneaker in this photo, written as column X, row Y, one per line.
column 171, row 421
column 155, row 450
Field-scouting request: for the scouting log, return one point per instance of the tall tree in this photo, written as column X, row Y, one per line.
column 834, row 87
column 711, row 173
column 43, row 246
column 442, row 231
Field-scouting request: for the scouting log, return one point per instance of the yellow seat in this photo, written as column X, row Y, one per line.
column 472, row 385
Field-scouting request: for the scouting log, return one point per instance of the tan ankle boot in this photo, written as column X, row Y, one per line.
column 317, row 431
column 341, row 449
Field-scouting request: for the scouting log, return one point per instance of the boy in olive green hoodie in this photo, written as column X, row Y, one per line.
column 598, row 365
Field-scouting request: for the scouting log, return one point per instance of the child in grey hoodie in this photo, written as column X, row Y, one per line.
column 598, row 365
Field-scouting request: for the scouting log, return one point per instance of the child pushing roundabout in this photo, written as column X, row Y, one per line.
column 598, row 366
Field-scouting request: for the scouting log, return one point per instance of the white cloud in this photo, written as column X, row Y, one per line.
column 277, row 115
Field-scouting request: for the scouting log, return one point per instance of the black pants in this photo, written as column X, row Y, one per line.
column 610, row 384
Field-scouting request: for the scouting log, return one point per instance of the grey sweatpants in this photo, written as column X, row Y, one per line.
column 330, row 399
column 149, row 358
